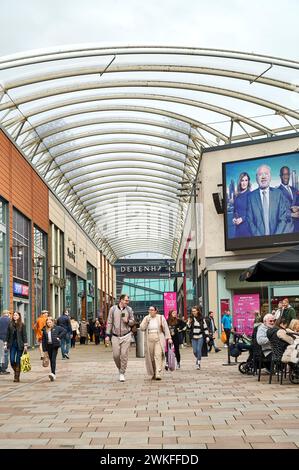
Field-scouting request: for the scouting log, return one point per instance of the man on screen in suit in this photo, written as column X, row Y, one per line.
column 292, row 197
column 267, row 207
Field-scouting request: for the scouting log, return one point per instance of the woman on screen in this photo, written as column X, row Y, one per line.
column 240, row 206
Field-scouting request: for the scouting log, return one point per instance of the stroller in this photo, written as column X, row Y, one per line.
column 242, row 343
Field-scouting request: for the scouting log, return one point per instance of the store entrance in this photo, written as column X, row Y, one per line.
column 22, row 306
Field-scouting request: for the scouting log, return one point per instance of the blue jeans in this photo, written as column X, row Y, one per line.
column 5, row 363
column 197, row 347
column 65, row 344
column 15, row 354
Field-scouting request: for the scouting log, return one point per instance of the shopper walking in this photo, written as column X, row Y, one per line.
column 119, row 323
column 38, row 330
column 226, row 326
column 16, row 342
column 210, row 321
column 4, row 322
column 97, row 331
column 175, row 325
column 199, row 334
column 75, row 331
column 51, row 341
column 83, row 330
column 65, row 322
column 157, row 333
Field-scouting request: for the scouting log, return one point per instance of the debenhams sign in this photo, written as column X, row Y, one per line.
column 140, row 269
column 145, row 269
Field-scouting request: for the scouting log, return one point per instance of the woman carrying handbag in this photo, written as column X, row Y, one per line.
column 16, row 342
column 157, row 333
column 52, row 335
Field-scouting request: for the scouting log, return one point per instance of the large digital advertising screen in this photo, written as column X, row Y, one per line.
column 261, row 201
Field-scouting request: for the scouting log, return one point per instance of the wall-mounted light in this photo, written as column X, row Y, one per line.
column 18, row 249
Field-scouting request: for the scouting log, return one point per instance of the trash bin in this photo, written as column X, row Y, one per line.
column 140, row 343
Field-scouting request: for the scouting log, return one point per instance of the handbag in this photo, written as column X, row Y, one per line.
column 46, row 360
column 25, row 362
column 171, row 358
column 223, row 337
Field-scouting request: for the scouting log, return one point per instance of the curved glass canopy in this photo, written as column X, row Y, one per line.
column 117, row 133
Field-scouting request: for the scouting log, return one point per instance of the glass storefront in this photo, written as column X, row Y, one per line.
column 40, row 270
column 71, row 293
column 21, row 268
column 81, row 306
column 146, row 292
column 91, row 292
column 4, row 272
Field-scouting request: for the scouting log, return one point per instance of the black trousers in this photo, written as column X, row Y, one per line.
column 82, row 339
column 97, row 339
column 52, row 351
column 73, row 339
column 176, row 344
column 227, row 332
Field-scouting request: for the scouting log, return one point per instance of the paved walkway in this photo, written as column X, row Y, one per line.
column 87, row 407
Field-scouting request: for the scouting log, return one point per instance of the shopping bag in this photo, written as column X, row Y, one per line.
column 171, row 358
column 25, row 362
column 223, row 337
column 46, row 360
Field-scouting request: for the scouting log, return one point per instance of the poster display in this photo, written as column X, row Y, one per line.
column 170, row 302
column 245, row 307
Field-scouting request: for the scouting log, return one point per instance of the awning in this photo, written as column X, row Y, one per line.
column 279, row 267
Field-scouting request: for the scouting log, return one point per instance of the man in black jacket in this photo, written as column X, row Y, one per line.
column 65, row 322
column 212, row 330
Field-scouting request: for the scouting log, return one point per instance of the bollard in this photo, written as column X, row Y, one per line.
column 140, row 343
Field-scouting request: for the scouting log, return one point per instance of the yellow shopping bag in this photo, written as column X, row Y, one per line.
column 25, row 362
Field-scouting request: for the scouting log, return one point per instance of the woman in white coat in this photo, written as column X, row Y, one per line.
column 156, row 333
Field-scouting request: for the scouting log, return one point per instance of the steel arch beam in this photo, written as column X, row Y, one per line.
column 92, row 202
column 130, row 188
column 125, row 171
column 103, row 158
column 71, row 72
column 81, row 51
column 107, row 132
column 179, row 100
column 85, row 186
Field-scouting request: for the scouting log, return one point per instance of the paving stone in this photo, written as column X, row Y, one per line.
column 184, row 410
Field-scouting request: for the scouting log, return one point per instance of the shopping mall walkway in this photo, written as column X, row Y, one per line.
column 87, row 407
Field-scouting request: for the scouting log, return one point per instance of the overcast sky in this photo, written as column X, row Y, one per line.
column 261, row 26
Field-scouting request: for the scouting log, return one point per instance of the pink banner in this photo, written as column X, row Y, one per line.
column 170, row 302
column 245, row 307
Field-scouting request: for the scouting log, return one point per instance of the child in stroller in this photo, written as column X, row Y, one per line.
column 242, row 343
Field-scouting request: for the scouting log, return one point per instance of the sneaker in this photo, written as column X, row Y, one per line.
column 178, row 365
column 217, row 350
column 158, row 377
column 225, row 345
column 198, row 366
column 122, row 377
column 5, row 372
column 67, row 356
column 52, row 377
column 166, row 366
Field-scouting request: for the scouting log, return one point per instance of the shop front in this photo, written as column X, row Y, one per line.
column 71, row 293
column 40, row 271
column 246, row 299
column 21, row 250
column 91, row 292
column 4, row 265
